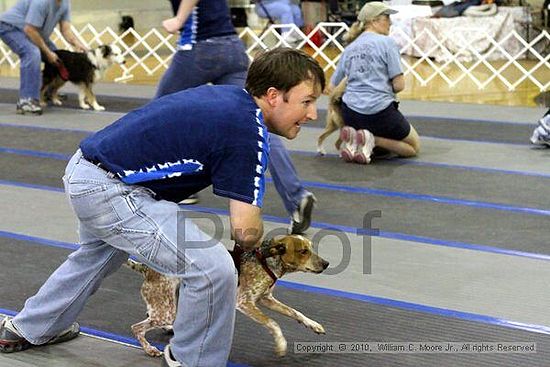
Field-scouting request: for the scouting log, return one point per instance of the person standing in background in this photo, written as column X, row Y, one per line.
column 25, row 29
column 285, row 11
column 209, row 51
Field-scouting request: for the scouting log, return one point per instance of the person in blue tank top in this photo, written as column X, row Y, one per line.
column 124, row 184
column 26, row 30
column 209, row 51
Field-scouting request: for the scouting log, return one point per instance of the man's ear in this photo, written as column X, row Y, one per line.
column 272, row 96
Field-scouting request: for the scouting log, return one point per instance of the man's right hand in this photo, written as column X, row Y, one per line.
column 52, row 58
column 172, row 25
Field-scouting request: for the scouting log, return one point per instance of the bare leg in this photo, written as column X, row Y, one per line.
column 408, row 147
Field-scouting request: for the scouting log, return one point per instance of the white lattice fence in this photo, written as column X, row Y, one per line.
column 152, row 51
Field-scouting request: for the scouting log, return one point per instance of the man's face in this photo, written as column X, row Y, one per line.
column 293, row 108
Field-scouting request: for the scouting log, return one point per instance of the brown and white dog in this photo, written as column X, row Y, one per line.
column 258, row 272
column 82, row 69
column 334, row 117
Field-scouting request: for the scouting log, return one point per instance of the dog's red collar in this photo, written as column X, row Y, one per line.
column 262, row 261
column 236, row 255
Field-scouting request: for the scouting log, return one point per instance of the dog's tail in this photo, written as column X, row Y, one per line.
column 136, row 266
column 335, row 97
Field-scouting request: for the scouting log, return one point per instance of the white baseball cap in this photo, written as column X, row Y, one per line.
column 371, row 10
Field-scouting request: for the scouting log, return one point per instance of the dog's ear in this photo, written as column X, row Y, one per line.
column 106, row 50
column 277, row 249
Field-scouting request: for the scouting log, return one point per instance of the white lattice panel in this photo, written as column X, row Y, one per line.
column 153, row 51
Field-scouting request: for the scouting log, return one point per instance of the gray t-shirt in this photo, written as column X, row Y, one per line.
column 370, row 63
column 43, row 14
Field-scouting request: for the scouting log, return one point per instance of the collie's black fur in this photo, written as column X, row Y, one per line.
column 84, row 69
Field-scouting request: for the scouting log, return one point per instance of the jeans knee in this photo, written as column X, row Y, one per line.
column 31, row 58
column 225, row 274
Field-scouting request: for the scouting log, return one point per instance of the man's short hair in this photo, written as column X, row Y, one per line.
column 282, row 68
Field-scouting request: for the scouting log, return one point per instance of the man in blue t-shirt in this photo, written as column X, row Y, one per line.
column 124, row 184
column 26, row 29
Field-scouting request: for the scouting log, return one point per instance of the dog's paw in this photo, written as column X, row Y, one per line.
column 57, row 102
column 280, row 347
column 321, row 151
column 99, row 108
column 314, row 325
column 85, row 106
column 152, row 351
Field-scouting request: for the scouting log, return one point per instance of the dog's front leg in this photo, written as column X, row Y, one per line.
column 273, row 304
column 90, row 97
column 252, row 311
column 139, row 330
column 82, row 98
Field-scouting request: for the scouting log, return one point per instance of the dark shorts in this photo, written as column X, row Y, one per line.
column 388, row 123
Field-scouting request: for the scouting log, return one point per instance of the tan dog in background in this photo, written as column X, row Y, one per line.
column 258, row 273
column 334, row 116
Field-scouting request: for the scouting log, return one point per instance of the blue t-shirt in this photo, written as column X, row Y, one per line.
column 43, row 14
column 209, row 18
column 183, row 142
column 370, row 63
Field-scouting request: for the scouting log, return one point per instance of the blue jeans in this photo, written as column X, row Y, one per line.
column 284, row 175
column 223, row 60
column 285, row 11
column 29, row 55
column 219, row 60
column 116, row 220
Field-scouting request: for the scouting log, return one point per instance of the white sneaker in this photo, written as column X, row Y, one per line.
column 349, row 145
column 291, row 37
column 28, row 105
column 301, row 217
column 365, row 145
column 190, row 200
column 541, row 135
column 168, row 359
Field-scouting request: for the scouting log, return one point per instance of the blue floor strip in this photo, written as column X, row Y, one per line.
column 391, row 235
column 401, row 161
column 35, row 153
column 466, row 316
column 415, row 162
column 351, row 189
column 35, row 127
column 113, row 337
column 396, row 161
column 341, row 228
column 430, row 198
column 541, row 329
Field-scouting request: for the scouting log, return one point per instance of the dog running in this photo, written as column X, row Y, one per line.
column 82, row 69
column 258, row 273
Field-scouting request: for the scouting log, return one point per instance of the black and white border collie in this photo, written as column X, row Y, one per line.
column 83, row 69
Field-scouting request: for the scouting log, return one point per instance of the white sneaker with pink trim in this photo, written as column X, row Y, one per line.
column 365, row 145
